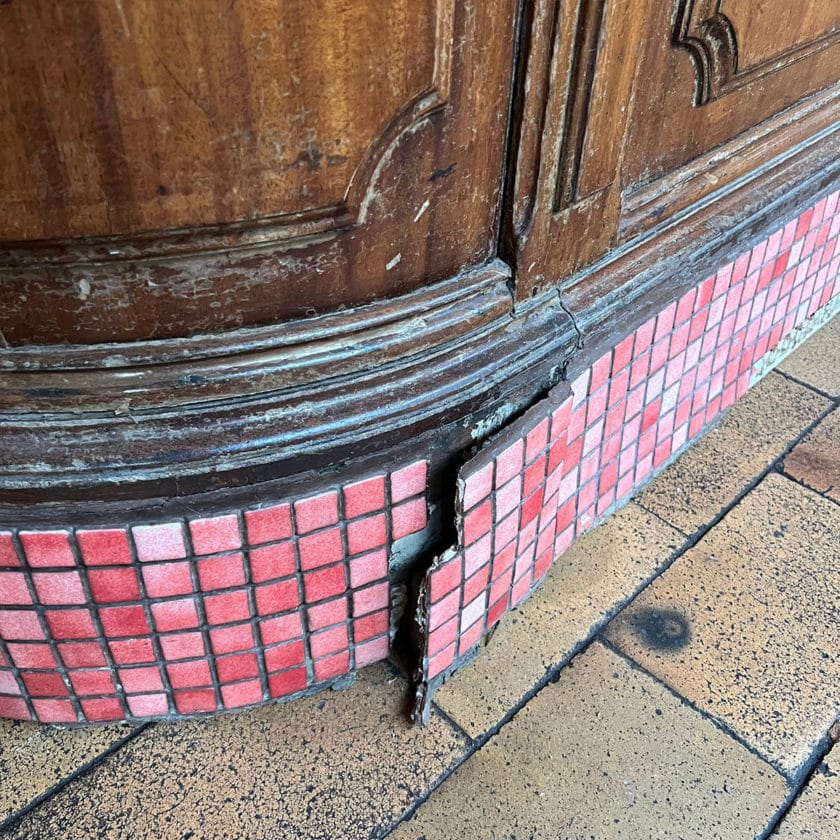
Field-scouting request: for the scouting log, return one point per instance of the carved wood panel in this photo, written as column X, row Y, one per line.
column 734, row 42
column 635, row 114
column 574, row 86
column 189, row 167
column 725, row 72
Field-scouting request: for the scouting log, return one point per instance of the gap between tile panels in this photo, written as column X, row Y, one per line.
column 800, row 780
column 807, row 385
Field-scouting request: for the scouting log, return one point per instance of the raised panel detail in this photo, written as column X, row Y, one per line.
column 196, row 113
column 735, row 42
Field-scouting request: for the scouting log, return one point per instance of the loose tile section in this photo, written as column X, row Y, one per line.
column 816, row 361
column 574, row 458
column 746, row 625
column 280, row 771
column 34, row 758
column 590, row 580
column 713, row 471
column 815, row 814
column 815, row 461
column 605, row 752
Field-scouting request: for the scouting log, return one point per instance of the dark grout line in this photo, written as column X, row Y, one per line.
column 804, row 384
column 453, row 724
column 13, row 819
column 719, row 724
column 594, row 634
column 800, row 781
column 798, row 481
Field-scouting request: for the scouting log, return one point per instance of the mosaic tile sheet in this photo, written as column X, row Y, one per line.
column 202, row 615
column 573, row 458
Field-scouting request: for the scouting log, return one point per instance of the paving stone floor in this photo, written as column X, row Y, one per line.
column 677, row 676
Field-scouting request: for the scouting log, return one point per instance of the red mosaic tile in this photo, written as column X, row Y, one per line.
column 59, row 588
column 367, row 533
column 8, row 683
column 129, row 652
column 224, row 572
column 376, row 650
column 363, row 497
column 190, row 674
column 54, row 711
column 509, row 463
column 44, row 684
column 408, row 518
column 368, row 568
column 159, row 542
column 409, row 481
column 81, row 654
column 281, row 657
column 124, row 621
column 70, row 624
column 227, row 608
column 242, row 694
column 148, row 705
column 31, row 655
column 182, row 645
column 91, row 683
column 271, row 562
column 277, row 597
column 237, row 637
column 191, row 701
column 287, row 682
column 237, row 666
column 477, row 486
column 14, row 708
column 327, row 613
column 140, row 680
column 175, row 615
column 216, row 534
column 108, row 586
column 268, row 524
column 371, row 598
column 370, row 625
column 101, row 710
column 324, row 583
column 107, row 547
column 14, row 589
column 47, row 548
column 325, row 642
column 167, row 580
column 316, row 512
column 8, row 552
column 280, row 629
column 331, row 667
column 320, row 549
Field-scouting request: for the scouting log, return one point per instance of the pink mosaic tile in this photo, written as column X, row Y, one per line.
column 527, row 496
column 206, row 614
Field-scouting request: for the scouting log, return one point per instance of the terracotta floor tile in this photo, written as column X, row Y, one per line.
column 335, row 765
column 584, row 585
column 817, row 361
column 694, row 489
column 34, row 758
column 816, row 460
column 815, row 814
column 746, row 624
column 606, row 752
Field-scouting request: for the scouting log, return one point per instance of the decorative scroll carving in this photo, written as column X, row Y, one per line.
column 589, row 20
column 709, row 35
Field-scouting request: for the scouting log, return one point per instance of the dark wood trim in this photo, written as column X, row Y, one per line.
column 437, row 371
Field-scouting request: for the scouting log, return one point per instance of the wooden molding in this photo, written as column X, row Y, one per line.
column 703, row 28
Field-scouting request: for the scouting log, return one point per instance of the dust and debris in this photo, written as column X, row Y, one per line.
column 423, row 208
column 394, row 262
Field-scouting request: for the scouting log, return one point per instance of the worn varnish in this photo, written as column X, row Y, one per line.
column 194, row 167
column 231, row 234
